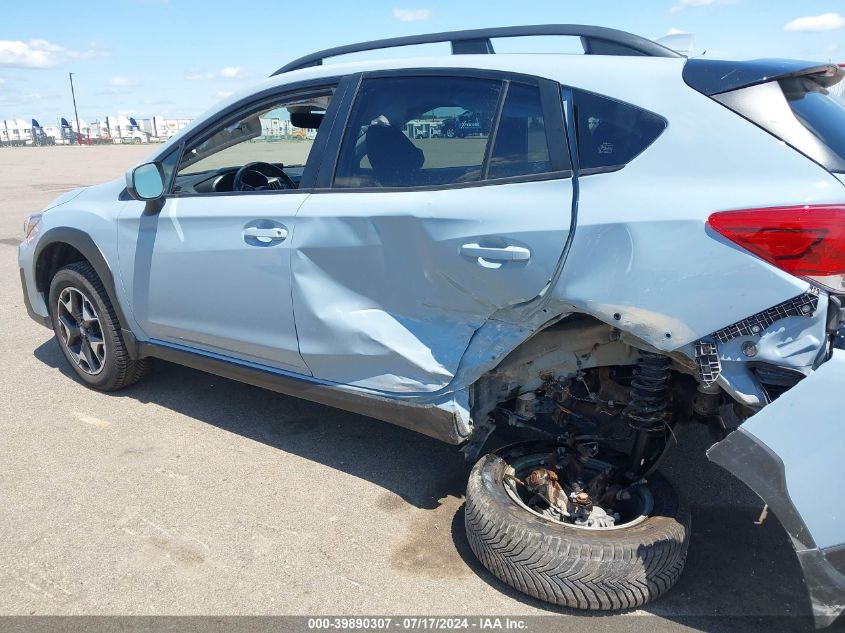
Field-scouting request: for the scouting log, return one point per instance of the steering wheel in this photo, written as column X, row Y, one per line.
column 261, row 176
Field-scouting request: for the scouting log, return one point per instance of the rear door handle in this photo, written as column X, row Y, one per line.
column 503, row 254
column 274, row 234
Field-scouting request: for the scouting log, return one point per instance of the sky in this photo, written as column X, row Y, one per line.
column 176, row 58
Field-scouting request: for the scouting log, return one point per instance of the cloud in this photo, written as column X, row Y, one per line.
column 223, row 94
column 412, row 15
column 25, row 98
column 196, row 75
column 697, row 3
column 816, row 23
column 232, row 72
column 40, row 54
column 121, row 82
column 229, row 72
column 674, row 31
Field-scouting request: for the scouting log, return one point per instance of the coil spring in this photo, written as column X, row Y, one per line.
column 648, row 393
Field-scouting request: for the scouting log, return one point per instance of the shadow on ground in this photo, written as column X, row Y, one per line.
column 419, row 469
column 739, row 576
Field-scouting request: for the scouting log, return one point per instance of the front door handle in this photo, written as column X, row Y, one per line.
column 494, row 254
column 274, row 234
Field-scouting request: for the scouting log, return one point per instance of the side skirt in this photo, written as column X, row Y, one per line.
column 429, row 419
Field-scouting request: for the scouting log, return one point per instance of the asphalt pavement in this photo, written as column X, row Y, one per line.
column 189, row 494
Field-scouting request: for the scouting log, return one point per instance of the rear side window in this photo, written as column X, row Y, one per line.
column 521, row 147
column 611, row 133
column 418, row 131
column 801, row 111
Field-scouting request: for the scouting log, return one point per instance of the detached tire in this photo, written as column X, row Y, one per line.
column 607, row 569
column 88, row 331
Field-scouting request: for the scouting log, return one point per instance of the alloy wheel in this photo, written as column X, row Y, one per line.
column 82, row 332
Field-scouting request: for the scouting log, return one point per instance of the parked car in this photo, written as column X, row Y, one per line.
column 466, row 124
column 640, row 241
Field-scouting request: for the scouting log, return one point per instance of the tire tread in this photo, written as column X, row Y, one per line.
column 564, row 567
column 127, row 371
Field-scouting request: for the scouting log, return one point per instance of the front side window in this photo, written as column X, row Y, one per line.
column 611, row 133
column 263, row 149
column 418, row 131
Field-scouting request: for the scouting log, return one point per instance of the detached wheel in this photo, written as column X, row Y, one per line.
column 88, row 332
column 536, row 551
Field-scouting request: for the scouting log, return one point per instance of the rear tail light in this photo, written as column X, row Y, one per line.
column 806, row 241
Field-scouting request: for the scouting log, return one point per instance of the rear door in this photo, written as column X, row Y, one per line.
column 412, row 241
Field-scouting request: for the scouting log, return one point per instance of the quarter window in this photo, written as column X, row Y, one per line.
column 612, row 133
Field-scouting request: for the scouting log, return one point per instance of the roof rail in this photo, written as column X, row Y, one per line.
column 596, row 40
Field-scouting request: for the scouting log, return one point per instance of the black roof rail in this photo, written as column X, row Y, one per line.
column 596, row 40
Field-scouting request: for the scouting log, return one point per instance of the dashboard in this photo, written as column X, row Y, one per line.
column 222, row 180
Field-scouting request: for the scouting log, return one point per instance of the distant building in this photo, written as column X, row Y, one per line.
column 281, row 128
column 16, row 132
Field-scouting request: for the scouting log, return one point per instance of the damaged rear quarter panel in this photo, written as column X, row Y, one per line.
column 642, row 249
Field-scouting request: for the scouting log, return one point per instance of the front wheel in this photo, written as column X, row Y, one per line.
column 88, row 331
column 596, row 566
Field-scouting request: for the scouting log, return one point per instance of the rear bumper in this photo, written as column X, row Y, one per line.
column 790, row 454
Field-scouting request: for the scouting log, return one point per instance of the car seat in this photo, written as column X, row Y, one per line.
column 395, row 160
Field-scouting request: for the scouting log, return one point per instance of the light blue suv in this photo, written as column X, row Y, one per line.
column 631, row 240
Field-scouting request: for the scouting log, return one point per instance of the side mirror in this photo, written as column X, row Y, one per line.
column 145, row 182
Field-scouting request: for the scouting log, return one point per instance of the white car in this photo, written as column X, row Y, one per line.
column 628, row 241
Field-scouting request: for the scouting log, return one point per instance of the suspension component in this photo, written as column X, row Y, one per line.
column 646, row 412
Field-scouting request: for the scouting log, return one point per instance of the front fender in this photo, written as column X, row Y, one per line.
column 82, row 242
column 791, row 454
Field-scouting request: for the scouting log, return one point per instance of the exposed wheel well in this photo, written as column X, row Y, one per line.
column 581, row 375
column 59, row 252
column 54, row 257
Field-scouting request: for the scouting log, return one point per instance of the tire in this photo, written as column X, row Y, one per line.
column 117, row 369
column 609, row 569
column 451, row 132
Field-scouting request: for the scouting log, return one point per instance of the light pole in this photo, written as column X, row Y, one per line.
column 75, row 113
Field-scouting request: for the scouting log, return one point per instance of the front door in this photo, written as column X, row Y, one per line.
column 211, row 270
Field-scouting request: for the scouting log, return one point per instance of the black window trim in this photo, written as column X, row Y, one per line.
column 552, row 112
column 494, row 130
column 340, row 85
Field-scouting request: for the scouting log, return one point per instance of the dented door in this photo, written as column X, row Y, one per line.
column 388, row 289
column 791, row 454
column 423, row 237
